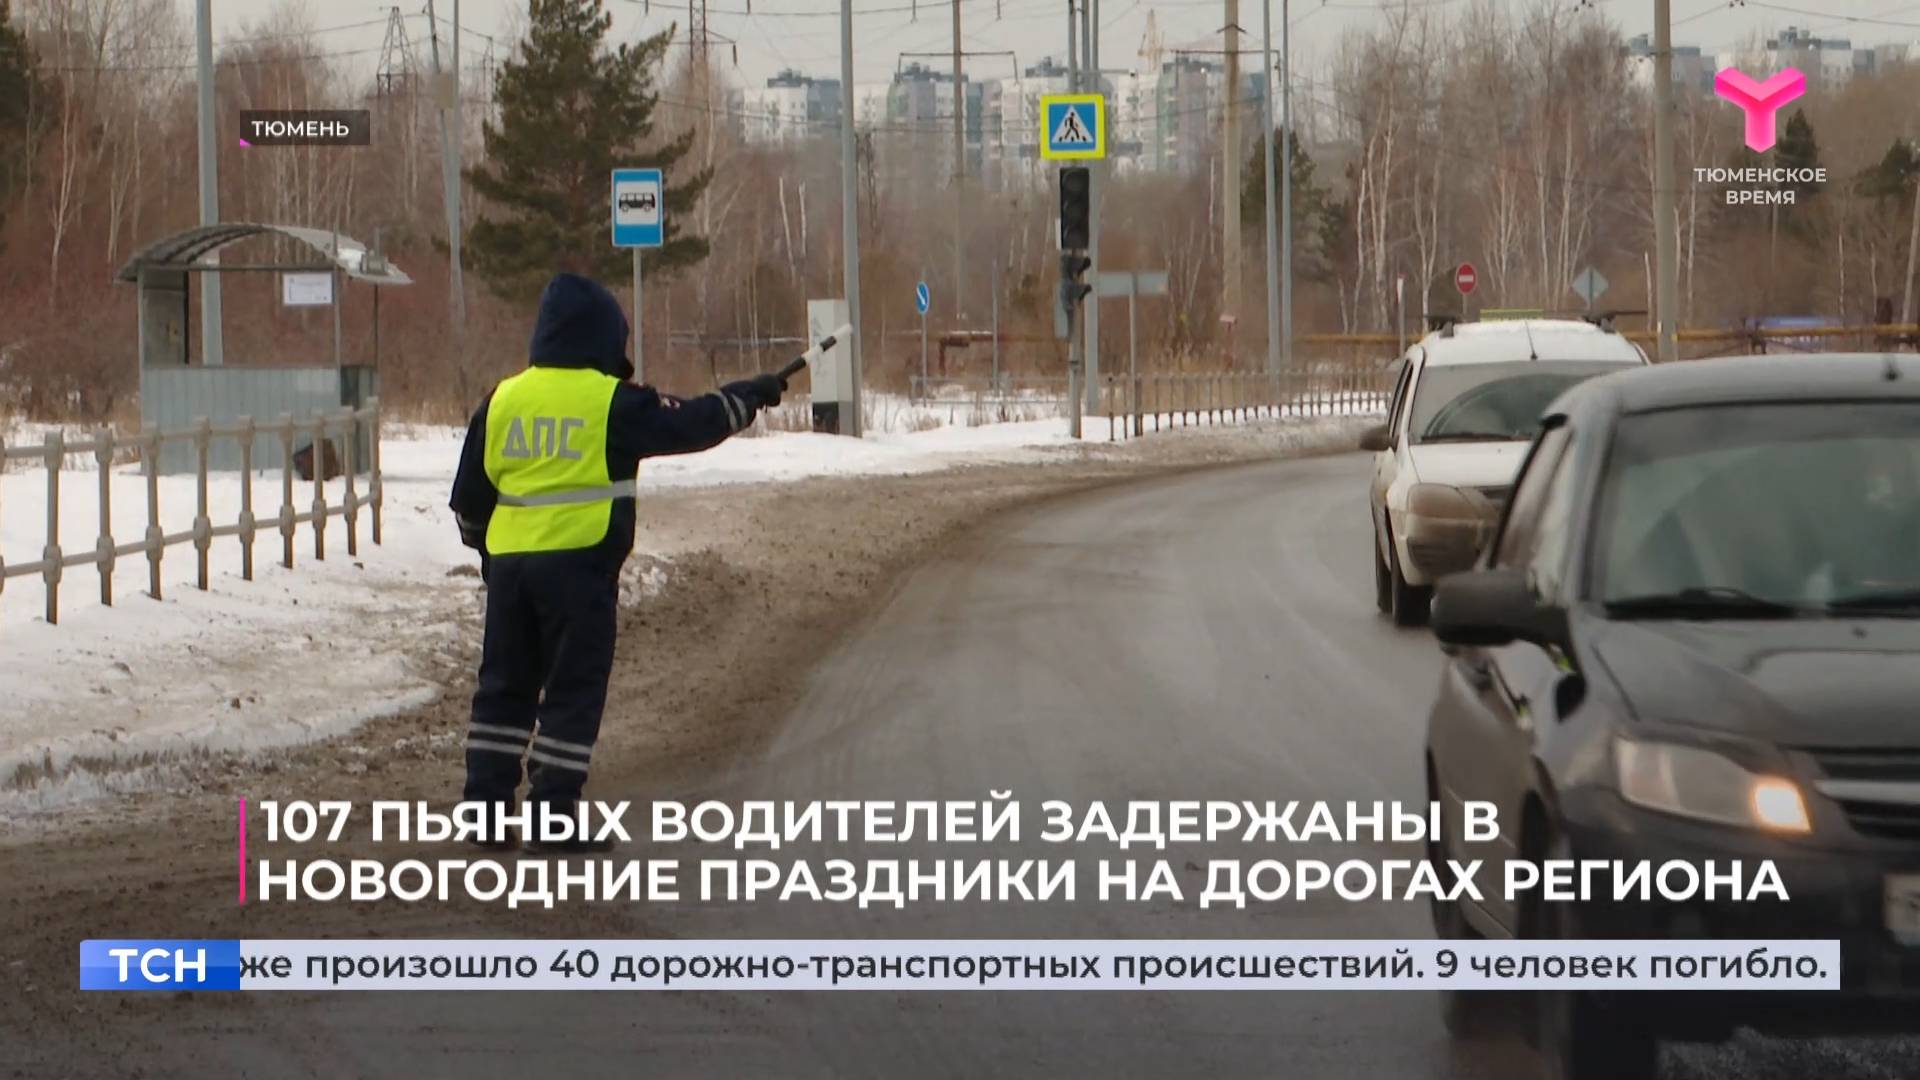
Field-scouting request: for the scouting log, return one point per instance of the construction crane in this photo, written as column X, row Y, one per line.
column 1153, row 46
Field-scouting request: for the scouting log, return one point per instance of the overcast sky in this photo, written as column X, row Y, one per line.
column 772, row 38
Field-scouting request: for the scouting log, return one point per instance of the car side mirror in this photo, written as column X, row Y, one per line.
column 1376, row 438
column 1492, row 607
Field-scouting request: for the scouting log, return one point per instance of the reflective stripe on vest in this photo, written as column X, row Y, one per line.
column 625, row 489
column 546, row 453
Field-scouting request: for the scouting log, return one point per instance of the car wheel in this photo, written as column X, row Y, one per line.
column 1581, row 1035
column 1382, row 579
column 1409, row 602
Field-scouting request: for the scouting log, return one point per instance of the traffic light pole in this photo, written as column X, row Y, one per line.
column 1076, row 206
column 1090, row 333
column 1073, row 300
column 1078, row 330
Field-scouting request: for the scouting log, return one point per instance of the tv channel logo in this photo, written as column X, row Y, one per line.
column 135, row 964
column 1761, row 101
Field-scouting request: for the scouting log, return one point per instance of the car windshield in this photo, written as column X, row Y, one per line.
column 1810, row 507
column 1462, row 402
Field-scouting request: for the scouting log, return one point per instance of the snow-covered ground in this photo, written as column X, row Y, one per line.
column 111, row 698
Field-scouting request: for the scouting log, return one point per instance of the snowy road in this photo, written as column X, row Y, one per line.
column 1202, row 636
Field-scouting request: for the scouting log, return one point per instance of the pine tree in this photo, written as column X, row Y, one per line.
column 1893, row 177
column 571, row 111
column 19, row 85
column 1797, row 149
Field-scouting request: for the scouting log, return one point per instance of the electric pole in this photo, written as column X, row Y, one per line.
column 1275, row 331
column 1666, row 238
column 850, row 214
column 959, row 170
column 447, row 96
column 1913, row 260
column 1286, row 188
column 1073, row 48
column 456, row 220
column 1090, row 335
column 1230, row 172
column 1076, row 339
column 459, row 221
column 212, row 349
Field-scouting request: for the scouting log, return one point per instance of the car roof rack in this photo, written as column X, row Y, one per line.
column 1603, row 319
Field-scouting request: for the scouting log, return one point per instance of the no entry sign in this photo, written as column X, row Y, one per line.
column 1465, row 278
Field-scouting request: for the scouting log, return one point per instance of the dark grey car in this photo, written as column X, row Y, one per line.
column 1696, row 636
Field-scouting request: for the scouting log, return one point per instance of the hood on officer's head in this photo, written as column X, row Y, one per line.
column 580, row 325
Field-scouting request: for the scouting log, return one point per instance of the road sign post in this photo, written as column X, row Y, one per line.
column 1589, row 285
column 1466, row 279
column 639, row 222
column 1133, row 350
column 1400, row 311
column 922, row 300
column 1132, row 284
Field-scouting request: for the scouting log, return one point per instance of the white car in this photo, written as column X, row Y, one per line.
column 1466, row 404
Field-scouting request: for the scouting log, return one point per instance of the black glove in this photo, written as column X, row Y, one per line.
column 768, row 388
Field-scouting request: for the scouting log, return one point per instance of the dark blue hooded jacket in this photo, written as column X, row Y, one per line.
column 580, row 325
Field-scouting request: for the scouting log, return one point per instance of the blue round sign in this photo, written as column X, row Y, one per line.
column 922, row 297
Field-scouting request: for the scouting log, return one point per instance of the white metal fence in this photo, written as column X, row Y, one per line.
column 1134, row 405
column 104, row 444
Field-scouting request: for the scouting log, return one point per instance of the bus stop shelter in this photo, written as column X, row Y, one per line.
column 176, row 388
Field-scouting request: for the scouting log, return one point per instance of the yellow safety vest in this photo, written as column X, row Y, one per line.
column 547, row 456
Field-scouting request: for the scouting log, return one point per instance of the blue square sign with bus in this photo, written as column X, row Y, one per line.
column 1073, row 127
column 639, row 211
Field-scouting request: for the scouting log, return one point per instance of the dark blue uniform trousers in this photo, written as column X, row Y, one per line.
column 543, row 676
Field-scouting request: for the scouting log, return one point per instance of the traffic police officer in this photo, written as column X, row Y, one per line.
column 545, row 491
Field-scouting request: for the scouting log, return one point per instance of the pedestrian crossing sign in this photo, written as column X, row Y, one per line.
column 1073, row 127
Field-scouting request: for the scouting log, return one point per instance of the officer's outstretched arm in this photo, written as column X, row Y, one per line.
column 474, row 495
column 646, row 423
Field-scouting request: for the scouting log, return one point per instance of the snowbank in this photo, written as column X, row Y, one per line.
column 109, row 697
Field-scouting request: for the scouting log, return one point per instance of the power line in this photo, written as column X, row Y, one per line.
column 250, row 39
column 940, row 128
column 464, row 29
column 1440, row 147
column 834, row 13
column 1706, row 11
column 257, row 61
column 1837, row 18
column 228, row 44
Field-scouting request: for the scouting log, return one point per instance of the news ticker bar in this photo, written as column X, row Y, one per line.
column 1069, row 964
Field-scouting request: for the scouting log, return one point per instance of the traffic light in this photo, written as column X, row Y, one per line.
column 1073, row 268
column 1076, row 207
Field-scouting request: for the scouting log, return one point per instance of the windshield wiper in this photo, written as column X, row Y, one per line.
column 1904, row 601
column 1704, row 601
column 1473, row 436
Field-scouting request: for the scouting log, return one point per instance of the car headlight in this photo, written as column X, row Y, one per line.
column 1443, row 501
column 1698, row 783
